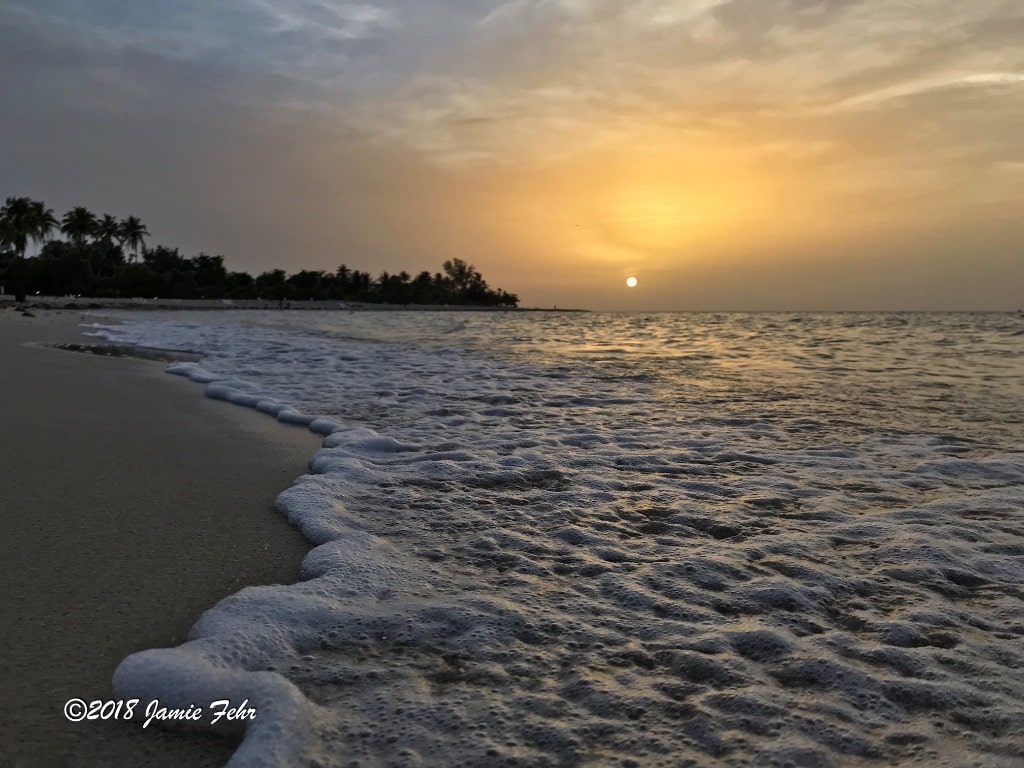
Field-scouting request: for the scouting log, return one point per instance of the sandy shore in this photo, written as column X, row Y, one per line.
column 131, row 504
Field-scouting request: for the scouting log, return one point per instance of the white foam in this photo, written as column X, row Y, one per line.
column 524, row 550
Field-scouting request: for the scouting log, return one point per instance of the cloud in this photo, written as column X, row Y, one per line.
column 293, row 38
column 403, row 132
column 555, row 78
column 543, row 79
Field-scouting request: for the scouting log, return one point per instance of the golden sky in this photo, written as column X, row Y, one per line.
column 731, row 154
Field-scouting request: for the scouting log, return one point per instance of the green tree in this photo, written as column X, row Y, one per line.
column 462, row 275
column 43, row 222
column 7, row 236
column 211, row 276
column 270, row 285
column 108, row 230
column 241, row 285
column 343, row 277
column 92, row 262
column 18, row 219
column 162, row 259
column 361, row 283
column 307, row 284
column 78, row 224
column 133, row 234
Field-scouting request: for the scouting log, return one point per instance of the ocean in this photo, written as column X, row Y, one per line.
column 634, row 539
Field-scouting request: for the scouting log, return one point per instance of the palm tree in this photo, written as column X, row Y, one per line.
column 6, row 235
column 22, row 218
column 463, row 275
column 133, row 234
column 43, row 222
column 78, row 224
column 108, row 229
column 17, row 222
column 467, row 283
column 344, row 275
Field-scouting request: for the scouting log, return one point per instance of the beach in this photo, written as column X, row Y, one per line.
column 128, row 510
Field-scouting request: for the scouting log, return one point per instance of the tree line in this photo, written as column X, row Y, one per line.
column 107, row 257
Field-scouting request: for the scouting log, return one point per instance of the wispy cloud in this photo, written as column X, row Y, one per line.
column 297, row 38
column 559, row 76
column 936, row 83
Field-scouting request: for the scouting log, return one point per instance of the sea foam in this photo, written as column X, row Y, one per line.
column 665, row 540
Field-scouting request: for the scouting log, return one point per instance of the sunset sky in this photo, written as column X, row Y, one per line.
column 731, row 154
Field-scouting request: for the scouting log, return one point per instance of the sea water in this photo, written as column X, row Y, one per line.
column 545, row 539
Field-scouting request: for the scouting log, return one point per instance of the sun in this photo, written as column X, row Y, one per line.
column 631, row 282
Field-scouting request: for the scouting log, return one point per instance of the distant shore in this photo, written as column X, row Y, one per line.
column 82, row 302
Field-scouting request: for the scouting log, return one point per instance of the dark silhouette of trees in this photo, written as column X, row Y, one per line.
column 308, row 284
column 79, row 224
column 270, row 285
column 92, row 262
column 133, row 234
column 23, row 219
column 108, row 230
column 210, row 276
column 43, row 222
column 240, row 285
column 343, row 275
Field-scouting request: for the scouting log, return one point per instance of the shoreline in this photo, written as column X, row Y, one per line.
column 81, row 303
column 132, row 504
column 85, row 304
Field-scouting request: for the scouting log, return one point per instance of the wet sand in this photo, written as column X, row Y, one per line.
column 130, row 505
